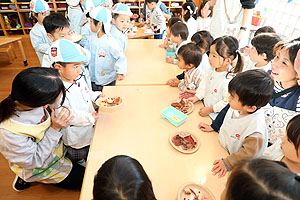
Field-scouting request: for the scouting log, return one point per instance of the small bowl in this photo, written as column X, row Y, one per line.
column 104, row 107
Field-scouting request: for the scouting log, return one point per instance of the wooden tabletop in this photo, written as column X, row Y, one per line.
column 8, row 40
column 146, row 64
column 140, row 34
column 139, row 131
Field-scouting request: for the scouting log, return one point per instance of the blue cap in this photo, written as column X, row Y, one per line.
column 66, row 51
column 103, row 15
column 89, row 5
column 122, row 9
column 38, row 6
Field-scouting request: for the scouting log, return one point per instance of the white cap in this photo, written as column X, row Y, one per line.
column 72, row 2
column 122, row 9
column 38, row 6
column 103, row 15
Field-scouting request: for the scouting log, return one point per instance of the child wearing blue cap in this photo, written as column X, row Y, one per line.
column 38, row 36
column 120, row 24
column 67, row 57
column 75, row 14
column 108, row 61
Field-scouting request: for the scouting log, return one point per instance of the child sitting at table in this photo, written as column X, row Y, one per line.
column 39, row 9
column 108, row 61
column 120, row 24
column 189, row 59
column 243, row 133
column 261, row 52
column 261, row 179
column 155, row 19
column 122, row 177
column 189, row 15
column 204, row 16
column 167, row 44
column 67, row 57
column 178, row 35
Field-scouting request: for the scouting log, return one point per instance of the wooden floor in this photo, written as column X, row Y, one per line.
column 36, row 191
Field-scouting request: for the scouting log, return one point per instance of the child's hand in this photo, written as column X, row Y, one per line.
column 187, row 94
column 203, row 112
column 205, row 127
column 219, row 168
column 95, row 114
column 120, row 77
column 63, row 119
column 193, row 99
column 173, row 82
column 170, row 59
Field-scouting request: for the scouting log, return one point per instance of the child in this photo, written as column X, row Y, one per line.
column 121, row 20
column 67, row 58
column 165, row 11
column 213, row 87
column 264, row 29
column 189, row 16
column 122, row 177
column 178, row 35
column 287, row 148
column 75, row 14
column 30, row 136
column 189, row 58
column 155, row 19
column 204, row 16
column 108, row 61
column 243, row 133
column 261, row 52
column 38, row 37
column 168, row 45
column 261, row 179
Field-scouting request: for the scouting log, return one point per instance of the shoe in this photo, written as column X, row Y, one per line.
column 20, row 185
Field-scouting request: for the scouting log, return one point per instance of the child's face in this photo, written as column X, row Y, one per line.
column 254, row 56
column 215, row 60
column 288, row 150
column 95, row 28
column 175, row 39
column 70, row 72
column 151, row 5
column 282, row 67
column 181, row 64
column 122, row 22
column 297, row 64
column 205, row 10
column 235, row 104
column 64, row 33
column 41, row 16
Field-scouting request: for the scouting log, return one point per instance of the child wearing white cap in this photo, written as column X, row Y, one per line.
column 67, row 57
column 108, row 61
column 38, row 36
column 75, row 14
column 120, row 24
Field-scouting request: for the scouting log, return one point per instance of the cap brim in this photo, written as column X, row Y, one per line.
column 80, row 58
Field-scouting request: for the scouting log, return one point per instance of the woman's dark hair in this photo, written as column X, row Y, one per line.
column 55, row 21
column 227, row 47
column 291, row 45
column 115, row 2
column 261, row 179
column 96, row 22
column 253, row 87
column 33, row 87
column 191, row 11
column 122, row 178
column 173, row 20
column 191, row 54
column 211, row 8
column 293, row 131
column 264, row 29
column 264, row 43
column 203, row 39
column 180, row 29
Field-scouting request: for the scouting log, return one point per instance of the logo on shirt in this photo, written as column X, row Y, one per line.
column 214, row 91
column 236, row 136
column 54, row 51
column 102, row 54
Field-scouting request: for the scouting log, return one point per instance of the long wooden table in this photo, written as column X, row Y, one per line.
column 138, row 130
column 146, row 64
column 9, row 40
column 140, row 34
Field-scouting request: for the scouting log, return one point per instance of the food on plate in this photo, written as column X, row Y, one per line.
column 109, row 102
column 182, row 106
column 186, row 142
column 194, row 194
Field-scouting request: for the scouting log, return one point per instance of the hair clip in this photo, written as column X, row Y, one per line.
column 190, row 9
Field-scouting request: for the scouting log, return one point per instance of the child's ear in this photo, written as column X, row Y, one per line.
column 57, row 66
column 227, row 61
column 251, row 109
column 113, row 21
column 264, row 56
column 50, row 36
column 191, row 66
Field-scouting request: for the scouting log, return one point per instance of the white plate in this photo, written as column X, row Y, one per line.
column 104, row 108
column 200, row 191
column 190, row 104
column 180, row 148
column 76, row 37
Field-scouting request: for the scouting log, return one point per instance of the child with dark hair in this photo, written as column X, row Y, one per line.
column 122, row 177
column 264, row 29
column 189, row 58
column 261, row 179
column 243, row 133
column 30, row 137
column 261, row 52
column 165, row 11
column 213, row 86
column 189, row 15
column 204, row 16
column 178, row 35
column 167, row 41
column 155, row 19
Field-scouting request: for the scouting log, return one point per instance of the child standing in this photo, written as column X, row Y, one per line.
column 243, row 133
column 189, row 58
column 67, row 58
column 38, row 37
column 155, row 19
column 121, row 20
column 189, row 15
column 213, row 87
column 261, row 52
column 108, row 61
column 204, row 16
column 75, row 14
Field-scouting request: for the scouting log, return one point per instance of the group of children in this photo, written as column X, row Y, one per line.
column 255, row 115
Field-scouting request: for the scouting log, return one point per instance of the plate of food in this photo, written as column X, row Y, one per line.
column 194, row 191
column 184, row 106
column 75, row 37
column 184, row 142
column 108, row 104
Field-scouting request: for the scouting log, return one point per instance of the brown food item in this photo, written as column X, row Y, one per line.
column 181, row 106
column 186, row 142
